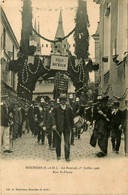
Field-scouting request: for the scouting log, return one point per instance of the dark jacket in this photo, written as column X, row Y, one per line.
column 48, row 118
column 101, row 123
column 116, row 119
column 88, row 114
column 4, row 116
column 63, row 118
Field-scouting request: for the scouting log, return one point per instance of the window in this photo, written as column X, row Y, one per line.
column 42, row 45
column 4, row 38
column 46, row 45
column 13, row 50
column 107, row 38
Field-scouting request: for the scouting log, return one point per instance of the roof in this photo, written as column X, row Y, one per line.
column 60, row 30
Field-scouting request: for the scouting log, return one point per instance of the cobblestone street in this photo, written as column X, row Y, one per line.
column 27, row 147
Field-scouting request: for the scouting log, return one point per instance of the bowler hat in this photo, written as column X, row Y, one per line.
column 104, row 99
column 115, row 103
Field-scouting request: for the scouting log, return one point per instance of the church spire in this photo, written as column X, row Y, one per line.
column 38, row 27
column 61, row 47
column 60, row 30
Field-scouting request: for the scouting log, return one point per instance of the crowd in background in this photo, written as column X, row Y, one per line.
column 67, row 116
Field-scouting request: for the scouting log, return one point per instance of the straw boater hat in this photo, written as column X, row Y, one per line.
column 63, row 96
column 42, row 100
column 77, row 99
column 70, row 96
column 52, row 100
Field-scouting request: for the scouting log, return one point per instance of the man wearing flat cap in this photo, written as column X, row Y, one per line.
column 63, row 116
column 116, row 118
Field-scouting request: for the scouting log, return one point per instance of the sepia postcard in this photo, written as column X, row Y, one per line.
column 64, row 97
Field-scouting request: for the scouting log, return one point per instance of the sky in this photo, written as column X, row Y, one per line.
column 47, row 13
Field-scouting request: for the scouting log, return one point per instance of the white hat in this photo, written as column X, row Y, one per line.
column 70, row 96
column 58, row 100
column 42, row 100
column 77, row 99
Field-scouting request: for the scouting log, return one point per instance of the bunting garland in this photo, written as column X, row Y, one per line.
column 56, row 9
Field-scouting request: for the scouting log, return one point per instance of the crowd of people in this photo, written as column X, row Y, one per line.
column 67, row 117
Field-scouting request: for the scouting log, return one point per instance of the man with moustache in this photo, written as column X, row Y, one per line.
column 63, row 117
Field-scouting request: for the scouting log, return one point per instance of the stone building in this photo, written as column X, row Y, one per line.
column 8, row 51
column 113, row 49
column 96, row 39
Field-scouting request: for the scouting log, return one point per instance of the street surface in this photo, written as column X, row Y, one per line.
column 27, row 147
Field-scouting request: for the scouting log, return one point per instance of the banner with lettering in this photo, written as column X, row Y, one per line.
column 59, row 62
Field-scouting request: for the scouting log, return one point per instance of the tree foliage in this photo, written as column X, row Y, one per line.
column 26, row 26
column 81, row 35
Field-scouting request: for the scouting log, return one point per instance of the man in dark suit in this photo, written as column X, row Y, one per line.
column 101, row 128
column 63, row 116
column 48, row 123
column 116, row 117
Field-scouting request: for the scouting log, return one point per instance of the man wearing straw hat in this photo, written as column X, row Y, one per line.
column 5, row 122
column 63, row 116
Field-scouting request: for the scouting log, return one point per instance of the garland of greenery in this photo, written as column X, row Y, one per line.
column 34, row 72
column 25, row 69
column 59, row 39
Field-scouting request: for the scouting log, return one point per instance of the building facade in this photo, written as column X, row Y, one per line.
column 113, row 49
column 8, row 51
column 96, row 39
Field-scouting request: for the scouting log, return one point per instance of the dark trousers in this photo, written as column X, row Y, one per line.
column 103, row 142
column 20, row 130
column 77, row 134
column 49, row 137
column 72, row 137
column 32, row 125
column 54, row 143
column 116, row 140
column 58, row 137
column 41, row 135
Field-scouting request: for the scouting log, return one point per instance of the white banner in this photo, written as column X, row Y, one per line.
column 59, row 62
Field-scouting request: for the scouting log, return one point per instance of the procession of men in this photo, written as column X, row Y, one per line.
column 51, row 121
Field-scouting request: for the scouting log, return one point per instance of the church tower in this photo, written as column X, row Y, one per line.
column 37, row 38
column 60, row 48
